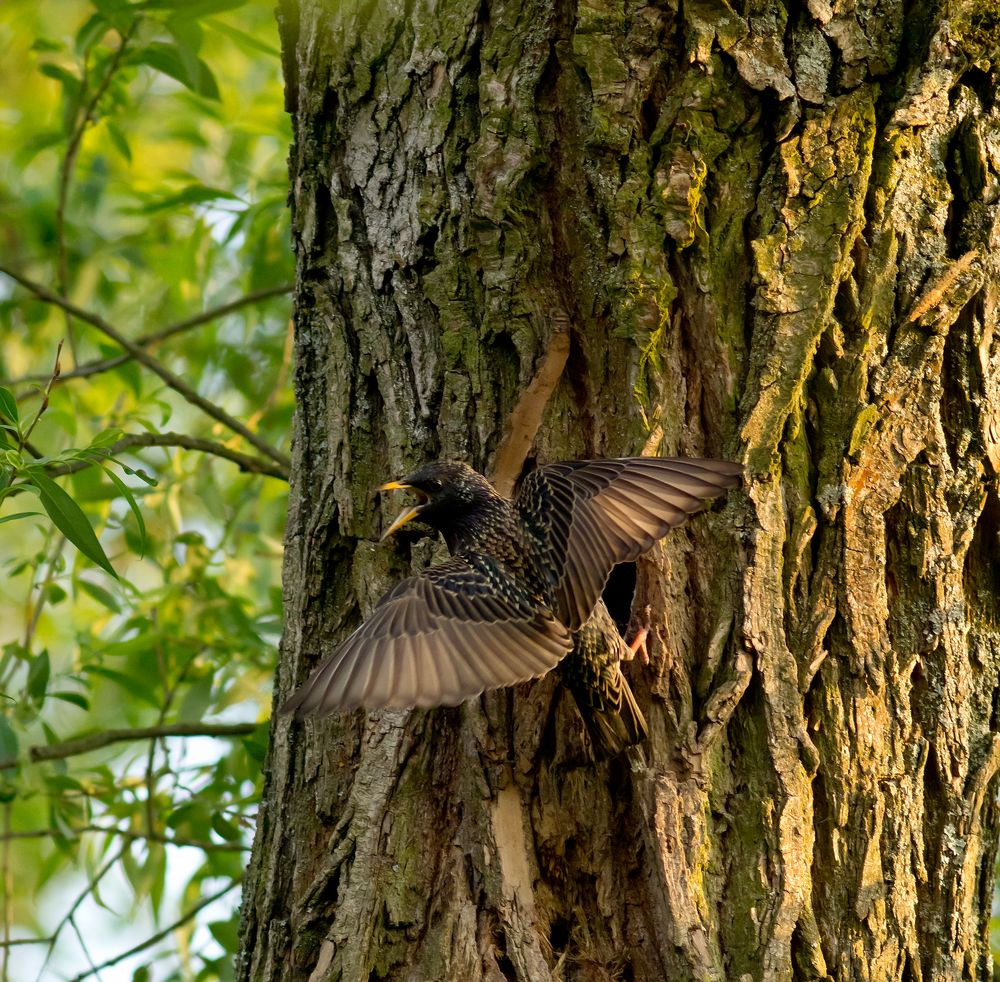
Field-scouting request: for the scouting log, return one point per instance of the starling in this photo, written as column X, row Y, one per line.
column 592, row 672
column 521, row 591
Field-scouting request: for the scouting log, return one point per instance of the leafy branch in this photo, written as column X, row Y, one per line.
column 140, row 354
column 66, row 514
column 245, row 462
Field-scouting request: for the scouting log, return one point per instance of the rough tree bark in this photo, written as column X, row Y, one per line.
column 765, row 231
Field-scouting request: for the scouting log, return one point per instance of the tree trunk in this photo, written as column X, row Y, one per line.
column 769, row 234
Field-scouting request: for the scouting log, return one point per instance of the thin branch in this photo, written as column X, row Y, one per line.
column 160, row 935
column 83, row 944
column 86, row 892
column 71, row 748
column 163, row 840
column 155, row 337
column 39, row 605
column 174, row 381
column 53, row 376
column 246, row 463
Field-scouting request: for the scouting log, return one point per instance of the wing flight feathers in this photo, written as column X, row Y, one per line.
column 588, row 516
column 435, row 640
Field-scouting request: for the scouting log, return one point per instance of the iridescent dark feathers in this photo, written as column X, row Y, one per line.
column 524, row 577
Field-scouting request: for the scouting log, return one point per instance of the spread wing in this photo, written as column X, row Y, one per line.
column 589, row 515
column 435, row 640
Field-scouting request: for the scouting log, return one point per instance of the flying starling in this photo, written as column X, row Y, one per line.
column 521, row 591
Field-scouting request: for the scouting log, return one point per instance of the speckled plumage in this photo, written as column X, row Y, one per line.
column 592, row 672
column 521, row 592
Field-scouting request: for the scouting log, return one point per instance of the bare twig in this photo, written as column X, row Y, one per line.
column 160, row 935
column 174, row 381
column 83, row 944
column 39, row 605
column 155, row 337
column 81, row 896
column 53, row 376
column 71, row 748
column 245, row 462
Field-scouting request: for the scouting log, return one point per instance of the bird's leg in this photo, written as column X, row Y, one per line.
column 638, row 642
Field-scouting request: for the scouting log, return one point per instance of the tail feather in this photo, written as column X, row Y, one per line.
column 613, row 729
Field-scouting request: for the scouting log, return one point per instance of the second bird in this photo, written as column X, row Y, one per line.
column 521, row 592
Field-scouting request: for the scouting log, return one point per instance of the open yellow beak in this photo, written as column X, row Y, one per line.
column 408, row 514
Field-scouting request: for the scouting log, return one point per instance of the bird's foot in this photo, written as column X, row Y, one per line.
column 638, row 642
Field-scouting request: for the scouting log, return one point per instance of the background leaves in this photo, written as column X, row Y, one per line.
column 142, row 178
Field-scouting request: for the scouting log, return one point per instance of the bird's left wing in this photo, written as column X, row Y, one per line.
column 588, row 515
column 435, row 640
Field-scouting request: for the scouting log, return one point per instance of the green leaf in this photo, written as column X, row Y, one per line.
column 141, row 474
column 38, row 676
column 76, row 698
column 34, row 145
column 8, row 740
column 195, row 8
column 196, row 701
column 127, row 495
column 45, row 44
column 54, row 594
column 94, row 28
column 141, row 690
column 71, row 91
column 194, row 194
column 8, row 405
column 256, row 744
column 106, row 437
column 224, row 828
column 17, row 515
column 170, row 60
column 62, row 75
column 246, row 42
column 226, row 933
column 102, row 596
column 109, row 7
column 68, row 517
column 119, row 141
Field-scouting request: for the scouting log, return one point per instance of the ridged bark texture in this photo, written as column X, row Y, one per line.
column 769, row 232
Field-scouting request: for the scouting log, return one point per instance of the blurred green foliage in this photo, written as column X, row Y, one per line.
column 142, row 179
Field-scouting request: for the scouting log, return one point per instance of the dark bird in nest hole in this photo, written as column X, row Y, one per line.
column 521, row 593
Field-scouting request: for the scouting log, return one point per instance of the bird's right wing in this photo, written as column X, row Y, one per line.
column 435, row 640
column 589, row 515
